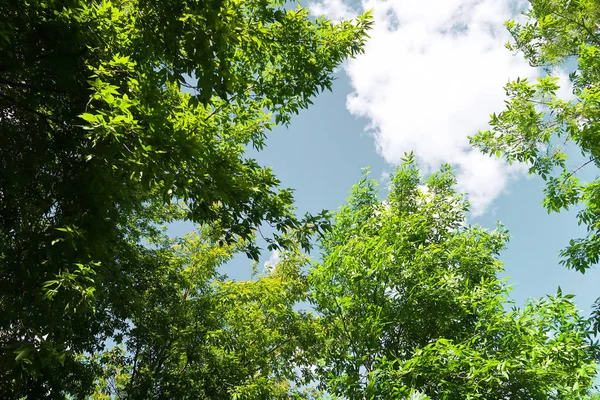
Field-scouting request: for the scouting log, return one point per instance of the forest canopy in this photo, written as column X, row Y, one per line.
column 120, row 117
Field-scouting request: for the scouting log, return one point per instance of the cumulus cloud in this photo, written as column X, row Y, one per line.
column 432, row 73
column 335, row 10
column 272, row 262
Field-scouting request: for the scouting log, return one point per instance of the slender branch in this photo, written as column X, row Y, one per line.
column 6, row 82
column 271, row 351
column 161, row 359
column 135, row 362
column 227, row 102
column 45, row 117
column 185, row 294
column 354, row 347
column 261, row 235
column 113, row 385
column 42, row 57
column 594, row 38
column 543, row 103
column 590, row 32
column 577, row 170
column 117, row 392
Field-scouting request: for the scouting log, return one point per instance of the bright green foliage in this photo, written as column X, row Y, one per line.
column 538, row 127
column 410, row 303
column 201, row 337
column 118, row 116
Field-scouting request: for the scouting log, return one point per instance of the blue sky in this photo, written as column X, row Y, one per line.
column 321, row 155
column 431, row 74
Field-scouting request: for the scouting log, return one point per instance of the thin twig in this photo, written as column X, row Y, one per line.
column 575, row 171
column 581, row 24
column 227, row 102
column 4, row 81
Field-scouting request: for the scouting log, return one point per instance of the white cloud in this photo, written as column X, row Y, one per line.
column 334, row 9
column 272, row 262
column 432, row 73
column 566, row 86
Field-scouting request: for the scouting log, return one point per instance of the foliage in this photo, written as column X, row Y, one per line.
column 538, row 127
column 410, row 304
column 205, row 337
column 118, row 116
column 121, row 116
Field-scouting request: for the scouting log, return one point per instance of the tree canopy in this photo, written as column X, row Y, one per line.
column 202, row 336
column 411, row 304
column 540, row 128
column 406, row 303
column 119, row 116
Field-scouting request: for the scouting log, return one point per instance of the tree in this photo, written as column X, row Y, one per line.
column 538, row 127
column 202, row 336
column 410, row 304
column 119, row 116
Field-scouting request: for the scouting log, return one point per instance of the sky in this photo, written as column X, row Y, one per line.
column 432, row 73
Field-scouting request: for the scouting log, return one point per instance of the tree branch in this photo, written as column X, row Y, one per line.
column 575, row 171
column 30, row 110
column 227, row 102
column 594, row 38
column 6, row 82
